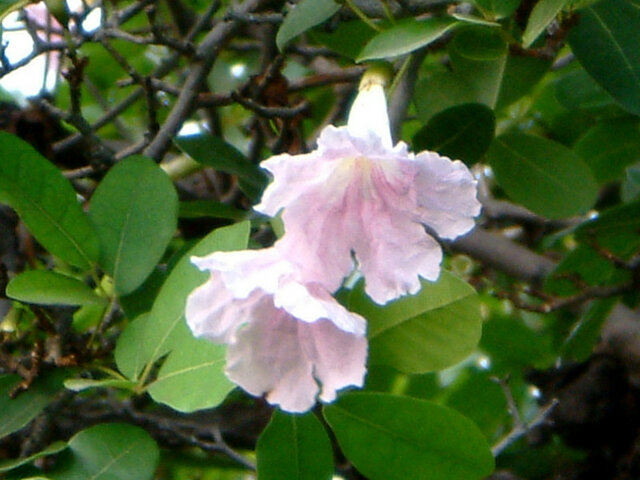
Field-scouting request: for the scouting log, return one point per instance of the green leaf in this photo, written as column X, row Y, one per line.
column 482, row 72
column 497, row 8
column 544, row 176
column 609, row 147
column 576, row 90
column 16, row 412
column 395, row 438
column 441, row 91
column 55, row 447
column 586, row 333
column 605, row 42
column 135, row 211
column 295, row 447
column 303, row 16
column 109, row 451
column 192, row 378
column 511, row 343
column 215, row 152
column 434, row 329
column 478, row 43
column 46, row 202
column 463, row 132
column 141, row 299
column 406, row 36
column 45, row 287
column 130, row 354
column 616, row 229
column 541, row 16
column 347, row 39
column 520, row 75
column 476, row 395
column 631, row 185
column 473, row 20
column 208, row 208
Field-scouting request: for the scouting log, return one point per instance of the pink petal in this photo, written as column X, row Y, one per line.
column 212, row 312
column 284, row 358
column 446, row 195
column 244, row 271
column 369, row 202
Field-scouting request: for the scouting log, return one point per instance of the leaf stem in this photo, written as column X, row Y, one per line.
column 363, row 16
column 387, row 11
column 401, row 73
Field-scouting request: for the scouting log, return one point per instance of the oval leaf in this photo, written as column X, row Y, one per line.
column 215, row 152
column 541, row 16
column 405, row 37
column 463, row 132
column 135, row 212
column 305, row 15
column 109, row 451
column 46, row 202
column 479, row 43
column 55, row 447
column 609, row 147
column 192, row 377
column 605, row 41
column 434, row 329
column 543, row 175
column 16, row 412
column 129, row 353
column 395, row 438
column 295, row 447
column 44, row 287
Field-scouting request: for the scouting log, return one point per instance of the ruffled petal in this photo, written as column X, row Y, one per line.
column 338, row 359
column 212, row 312
column 310, row 303
column 277, row 355
column 244, row 271
column 447, row 191
column 392, row 262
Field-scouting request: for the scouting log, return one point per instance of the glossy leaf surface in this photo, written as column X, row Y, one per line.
column 394, row 438
column 434, row 329
column 295, row 447
column 542, row 175
column 46, row 202
column 135, row 211
column 45, row 287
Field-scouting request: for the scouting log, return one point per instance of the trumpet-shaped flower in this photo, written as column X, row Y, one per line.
column 287, row 339
column 358, row 195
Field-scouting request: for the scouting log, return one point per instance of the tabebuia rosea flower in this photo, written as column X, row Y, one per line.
column 287, row 339
column 359, row 197
column 357, row 201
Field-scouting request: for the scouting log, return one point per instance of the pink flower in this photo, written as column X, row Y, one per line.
column 287, row 339
column 359, row 196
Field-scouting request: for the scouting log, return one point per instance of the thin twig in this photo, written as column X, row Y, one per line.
column 520, row 430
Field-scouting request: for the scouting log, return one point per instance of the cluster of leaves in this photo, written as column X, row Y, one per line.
column 97, row 366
